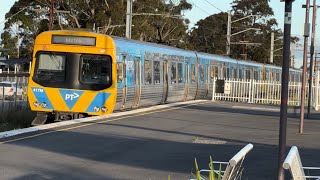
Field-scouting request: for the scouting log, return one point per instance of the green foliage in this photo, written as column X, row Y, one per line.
column 210, row 34
column 16, row 117
column 211, row 170
column 211, row 174
column 28, row 18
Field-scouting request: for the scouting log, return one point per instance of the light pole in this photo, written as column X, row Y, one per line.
column 304, row 71
column 313, row 35
column 229, row 30
column 129, row 19
column 284, row 88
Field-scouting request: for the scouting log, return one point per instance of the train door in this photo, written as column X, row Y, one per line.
column 165, row 81
column 133, row 79
column 121, row 79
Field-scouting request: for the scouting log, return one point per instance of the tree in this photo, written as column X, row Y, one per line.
column 210, row 35
column 32, row 17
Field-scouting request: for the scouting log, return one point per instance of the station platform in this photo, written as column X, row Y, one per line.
column 157, row 143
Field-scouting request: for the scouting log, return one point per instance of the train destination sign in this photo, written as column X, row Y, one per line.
column 74, row 40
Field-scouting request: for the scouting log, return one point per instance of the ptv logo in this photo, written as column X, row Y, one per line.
column 71, row 96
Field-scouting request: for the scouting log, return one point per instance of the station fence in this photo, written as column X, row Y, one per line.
column 18, row 100
column 263, row 92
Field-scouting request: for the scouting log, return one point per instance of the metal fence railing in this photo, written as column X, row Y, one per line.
column 13, row 91
column 263, row 92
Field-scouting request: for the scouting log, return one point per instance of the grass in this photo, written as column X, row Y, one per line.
column 212, row 174
column 15, row 116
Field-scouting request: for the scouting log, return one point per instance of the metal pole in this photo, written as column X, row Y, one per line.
column 313, row 35
column 129, row 19
column 272, row 48
column 229, row 33
column 304, row 71
column 284, row 89
column 51, row 16
column 317, row 90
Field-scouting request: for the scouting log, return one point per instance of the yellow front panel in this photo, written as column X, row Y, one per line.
column 48, row 99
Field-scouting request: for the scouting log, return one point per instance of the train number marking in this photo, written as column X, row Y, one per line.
column 71, row 96
column 40, row 90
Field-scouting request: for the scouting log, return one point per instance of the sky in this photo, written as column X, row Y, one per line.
column 203, row 8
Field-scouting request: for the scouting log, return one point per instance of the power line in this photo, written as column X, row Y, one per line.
column 213, row 5
column 199, row 8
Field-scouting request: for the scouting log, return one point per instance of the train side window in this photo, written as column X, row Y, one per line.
column 291, row 77
column 240, row 74
column 180, row 78
column 235, row 73
column 173, row 73
column 227, row 73
column 201, row 72
column 193, row 73
column 248, row 74
column 211, row 73
column 120, row 72
column 277, row 76
column 148, row 72
column 256, row 75
column 156, row 71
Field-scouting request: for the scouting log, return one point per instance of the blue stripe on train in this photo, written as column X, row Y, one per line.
column 42, row 97
column 98, row 101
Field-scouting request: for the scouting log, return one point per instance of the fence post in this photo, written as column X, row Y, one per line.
column 214, row 89
column 316, row 94
column 250, row 90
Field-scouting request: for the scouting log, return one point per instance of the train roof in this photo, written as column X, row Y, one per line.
column 159, row 48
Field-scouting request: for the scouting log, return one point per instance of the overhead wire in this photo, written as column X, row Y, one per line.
column 213, row 5
column 191, row 2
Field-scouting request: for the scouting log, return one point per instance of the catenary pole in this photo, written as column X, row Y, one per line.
column 129, row 19
column 51, row 15
column 304, row 71
column 284, row 87
column 312, row 51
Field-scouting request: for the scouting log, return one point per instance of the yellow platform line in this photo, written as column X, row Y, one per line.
column 100, row 122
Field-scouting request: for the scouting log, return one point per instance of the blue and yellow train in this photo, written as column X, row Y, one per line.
column 76, row 74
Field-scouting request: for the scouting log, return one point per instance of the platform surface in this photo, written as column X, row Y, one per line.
column 153, row 145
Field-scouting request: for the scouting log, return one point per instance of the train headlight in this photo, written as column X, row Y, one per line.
column 96, row 109
column 43, row 105
column 104, row 109
column 36, row 104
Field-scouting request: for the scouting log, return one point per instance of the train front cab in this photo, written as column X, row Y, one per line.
column 72, row 76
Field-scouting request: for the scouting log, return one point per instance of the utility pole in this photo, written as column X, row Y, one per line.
column 229, row 33
column 304, row 71
column 284, row 87
column 313, row 35
column 229, row 30
column 51, row 15
column 129, row 19
column 272, row 48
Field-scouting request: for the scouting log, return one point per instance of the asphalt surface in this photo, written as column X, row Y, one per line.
column 155, row 145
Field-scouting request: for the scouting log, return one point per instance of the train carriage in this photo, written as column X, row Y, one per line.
column 76, row 74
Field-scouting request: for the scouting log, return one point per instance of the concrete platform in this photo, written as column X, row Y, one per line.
column 153, row 145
